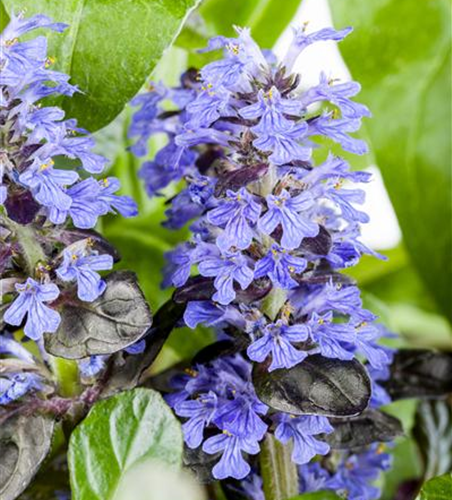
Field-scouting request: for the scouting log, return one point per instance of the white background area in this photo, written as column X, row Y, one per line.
column 382, row 232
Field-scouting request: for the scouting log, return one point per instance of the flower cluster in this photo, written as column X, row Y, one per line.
column 47, row 209
column 271, row 228
column 353, row 476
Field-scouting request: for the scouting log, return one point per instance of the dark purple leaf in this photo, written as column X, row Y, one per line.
column 420, row 373
column 236, row 179
column 116, row 320
column 317, row 386
column 371, row 426
column 21, row 207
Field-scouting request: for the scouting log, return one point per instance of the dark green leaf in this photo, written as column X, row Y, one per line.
column 109, row 49
column 438, row 488
column 25, row 442
column 401, row 55
column 433, row 432
column 420, row 373
column 370, row 427
column 127, row 372
column 317, row 386
column 117, row 319
column 117, row 434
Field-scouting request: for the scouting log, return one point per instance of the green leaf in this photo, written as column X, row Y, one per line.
column 401, row 56
column 438, row 488
column 117, row 434
column 109, row 49
column 266, row 18
column 318, row 495
column 4, row 18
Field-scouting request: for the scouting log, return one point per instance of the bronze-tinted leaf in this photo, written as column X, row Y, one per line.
column 318, row 245
column 25, row 442
column 317, row 386
column 126, row 371
column 370, row 427
column 114, row 321
column 238, row 178
column 200, row 464
column 420, row 373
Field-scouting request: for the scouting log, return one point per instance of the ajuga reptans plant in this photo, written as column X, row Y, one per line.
column 297, row 352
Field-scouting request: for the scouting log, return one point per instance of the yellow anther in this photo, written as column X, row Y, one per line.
column 291, row 269
column 74, row 256
column 151, row 87
column 10, row 43
column 339, row 184
column 234, row 49
column 227, row 433
column 335, row 114
column 47, row 165
column 381, row 448
column 105, row 182
column 321, row 321
column 49, row 61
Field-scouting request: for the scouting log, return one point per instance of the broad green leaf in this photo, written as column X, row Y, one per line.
column 438, row 488
column 401, row 56
column 117, row 434
column 109, row 49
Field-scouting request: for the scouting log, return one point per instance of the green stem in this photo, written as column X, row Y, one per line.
column 66, row 373
column 279, row 473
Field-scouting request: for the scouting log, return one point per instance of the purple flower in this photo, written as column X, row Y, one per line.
column 199, row 413
column 114, row 203
column 91, row 366
column 277, row 339
column 208, row 106
column 210, row 314
column 279, row 265
column 236, row 214
column 301, row 40
column 46, row 183
column 275, row 132
column 227, row 269
column 81, row 265
column 170, row 164
column 243, row 60
column 14, row 386
column 232, row 463
column 30, row 303
column 287, row 211
column 301, row 430
column 357, row 474
column 337, row 94
column 241, row 416
column 367, row 335
column 85, row 208
column 337, row 130
column 330, row 337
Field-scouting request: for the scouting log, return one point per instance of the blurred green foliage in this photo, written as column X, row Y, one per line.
column 400, row 52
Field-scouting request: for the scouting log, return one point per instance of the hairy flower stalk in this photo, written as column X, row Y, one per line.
column 49, row 254
column 272, row 229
